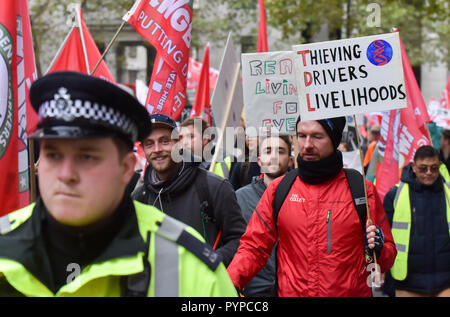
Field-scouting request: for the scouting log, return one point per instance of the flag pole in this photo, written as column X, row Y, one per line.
column 32, row 170
column 227, row 114
column 80, row 30
column 109, row 46
column 369, row 219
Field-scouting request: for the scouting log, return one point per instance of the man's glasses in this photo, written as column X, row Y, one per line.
column 425, row 168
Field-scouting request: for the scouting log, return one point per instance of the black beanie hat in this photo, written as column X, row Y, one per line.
column 333, row 127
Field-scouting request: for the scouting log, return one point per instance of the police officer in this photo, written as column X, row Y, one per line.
column 84, row 236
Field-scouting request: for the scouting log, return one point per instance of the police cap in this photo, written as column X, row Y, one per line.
column 73, row 105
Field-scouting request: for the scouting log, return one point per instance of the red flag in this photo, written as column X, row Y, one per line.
column 167, row 25
column 262, row 33
column 76, row 56
column 17, row 71
column 194, row 71
column 202, row 102
column 406, row 133
column 445, row 100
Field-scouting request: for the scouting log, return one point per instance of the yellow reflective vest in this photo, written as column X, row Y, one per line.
column 401, row 228
column 222, row 169
column 444, row 172
column 174, row 252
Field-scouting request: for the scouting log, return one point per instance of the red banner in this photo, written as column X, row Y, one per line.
column 202, row 102
column 17, row 71
column 406, row 133
column 194, row 71
column 72, row 56
column 167, row 25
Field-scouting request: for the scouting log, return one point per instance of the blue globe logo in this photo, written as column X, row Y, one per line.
column 379, row 52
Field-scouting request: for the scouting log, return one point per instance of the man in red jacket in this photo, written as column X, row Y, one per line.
column 320, row 238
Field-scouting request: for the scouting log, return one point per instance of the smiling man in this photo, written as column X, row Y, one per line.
column 187, row 192
column 84, row 236
column 418, row 209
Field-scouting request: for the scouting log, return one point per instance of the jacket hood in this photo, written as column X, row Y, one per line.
column 408, row 176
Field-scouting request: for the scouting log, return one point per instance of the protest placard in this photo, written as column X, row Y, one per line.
column 225, row 89
column 270, row 91
column 346, row 77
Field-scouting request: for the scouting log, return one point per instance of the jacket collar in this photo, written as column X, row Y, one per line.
column 23, row 252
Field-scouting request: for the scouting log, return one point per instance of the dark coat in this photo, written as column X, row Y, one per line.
column 263, row 284
column 180, row 200
column 429, row 246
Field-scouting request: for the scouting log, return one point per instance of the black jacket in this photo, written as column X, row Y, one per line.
column 263, row 284
column 179, row 199
column 429, row 247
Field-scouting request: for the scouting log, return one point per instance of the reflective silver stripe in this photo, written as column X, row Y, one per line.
column 5, row 225
column 166, row 258
column 397, row 194
column 171, row 228
column 400, row 247
column 166, row 268
column 400, row 225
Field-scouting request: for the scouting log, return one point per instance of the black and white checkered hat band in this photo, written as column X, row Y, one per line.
column 84, row 109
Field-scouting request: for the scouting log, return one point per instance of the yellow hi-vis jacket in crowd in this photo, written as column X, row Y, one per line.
column 401, row 227
column 222, row 169
column 180, row 264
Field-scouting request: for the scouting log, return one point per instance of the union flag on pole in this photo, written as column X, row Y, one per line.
column 17, row 117
column 406, row 133
column 202, row 102
column 167, row 25
column 79, row 52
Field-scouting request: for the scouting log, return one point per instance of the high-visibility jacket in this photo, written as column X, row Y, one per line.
column 180, row 263
column 401, row 228
column 222, row 169
column 444, row 172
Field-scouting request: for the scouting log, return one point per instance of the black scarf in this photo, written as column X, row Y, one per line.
column 316, row 172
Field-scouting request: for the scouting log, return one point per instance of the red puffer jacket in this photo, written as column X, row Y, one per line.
column 320, row 250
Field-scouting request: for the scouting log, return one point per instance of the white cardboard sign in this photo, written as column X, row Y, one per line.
column 346, row 77
column 270, row 91
column 223, row 90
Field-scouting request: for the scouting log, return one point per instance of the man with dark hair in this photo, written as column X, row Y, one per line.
column 193, row 137
column 418, row 209
column 321, row 238
column 190, row 194
column 274, row 158
column 84, row 236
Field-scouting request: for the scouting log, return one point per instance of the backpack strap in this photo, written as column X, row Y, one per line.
column 355, row 181
column 281, row 192
column 206, row 209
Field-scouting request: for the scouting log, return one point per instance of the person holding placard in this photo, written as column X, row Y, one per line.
column 322, row 240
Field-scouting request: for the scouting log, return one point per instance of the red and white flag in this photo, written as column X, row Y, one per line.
column 194, row 71
column 406, row 133
column 262, row 32
column 17, row 117
column 80, row 53
column 202, row 102
column 167, row 25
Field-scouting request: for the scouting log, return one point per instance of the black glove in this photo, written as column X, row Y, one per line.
column 379, row 242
